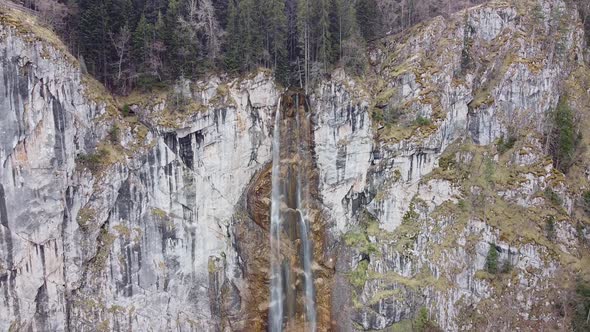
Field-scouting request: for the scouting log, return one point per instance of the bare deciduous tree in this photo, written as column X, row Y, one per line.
column 121, row 43
column 200, row 19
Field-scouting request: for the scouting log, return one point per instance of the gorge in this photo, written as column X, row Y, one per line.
column 420, row 196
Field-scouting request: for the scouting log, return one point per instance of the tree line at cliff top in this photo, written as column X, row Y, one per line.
column 129, row 44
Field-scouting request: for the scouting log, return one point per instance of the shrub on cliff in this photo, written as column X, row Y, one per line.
column 95, row 161
column 492, row 260
column 586, row 201
column 422, row 323
column 581, row 307
column 563, row 137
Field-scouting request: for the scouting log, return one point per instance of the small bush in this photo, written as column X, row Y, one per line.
column 462, row 205
column 553, row 197
column 358, row 276
column 422, row 323
column 147, row 82
column 94, row 161
column 377, row 115
column 506, row 266
column 492, row 259
column 126, row 110
column 447, row 162
column 504, row 145
column 114, row 134
column 392, row 115
column 550, row 227
column 422, row 121
column 411, row 216
column 581, row 307
column 586, row 201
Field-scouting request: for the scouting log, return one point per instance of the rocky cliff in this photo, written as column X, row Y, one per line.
column 151, row 212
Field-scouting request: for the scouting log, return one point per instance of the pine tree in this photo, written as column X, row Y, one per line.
column 563, row 139
column 165, row 39
column 233, row 54
column 323, row 33
column 119, row 13
column 170, row 38
column 304, row 30
column 277, row 38
column 250, row 33
column 492, row 259
column 367, row 16
column 94, row 28
column 141, row 39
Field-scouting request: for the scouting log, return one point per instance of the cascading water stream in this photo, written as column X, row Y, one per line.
column 306, row 248
column 276, row 279
column 292, row 289
column 309, row 291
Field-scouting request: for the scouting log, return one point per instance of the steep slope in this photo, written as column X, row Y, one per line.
column 442, row 187
column 151, row 212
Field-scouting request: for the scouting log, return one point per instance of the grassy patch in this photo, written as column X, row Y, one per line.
column 123, row 231
column 586, row 201
column 503, row 145
column 581, row 307
column 159, row 213
column 105, row 242
column 358, row 276
column 85, row 217
column 552, row 197
column 32, row 30
column 95, row 91
column 422, row 121
column 104, row 156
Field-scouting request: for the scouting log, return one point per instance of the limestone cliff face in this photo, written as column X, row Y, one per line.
column 435, row 192
column 46, row 121
column 107, row 223
column 156, row 220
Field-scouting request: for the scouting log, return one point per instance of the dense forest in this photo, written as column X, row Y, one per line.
column 129, row 44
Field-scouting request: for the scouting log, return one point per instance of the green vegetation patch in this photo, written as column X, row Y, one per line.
column 104, row 156
column 105, row 242
column 85, row 217
column 565, row 137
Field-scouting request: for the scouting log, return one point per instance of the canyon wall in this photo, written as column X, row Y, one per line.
column 151, row 212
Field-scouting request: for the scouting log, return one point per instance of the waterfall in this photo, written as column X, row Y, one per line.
column 276, row 279
column 292, row 294
column 309, row 292
column 306, row 247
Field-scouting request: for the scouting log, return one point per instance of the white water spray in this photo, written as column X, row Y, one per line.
column 289, row 213
column 276, row 279
column 307, row 250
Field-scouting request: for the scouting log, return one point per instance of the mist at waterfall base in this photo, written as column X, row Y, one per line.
column 292, row 294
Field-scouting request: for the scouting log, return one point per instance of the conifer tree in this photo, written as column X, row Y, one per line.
column 324, row 43
column 367, row 18
column 233, row 56
column 277, row 38
column 141, row 40
column 93, row 28
column 304, row 31
column 250, row 34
